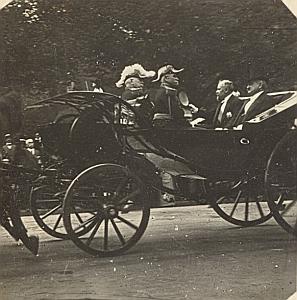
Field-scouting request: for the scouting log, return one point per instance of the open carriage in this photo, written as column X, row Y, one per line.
column 103, row 163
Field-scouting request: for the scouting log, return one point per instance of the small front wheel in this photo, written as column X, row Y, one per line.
column 113, row 203
column 241, row 202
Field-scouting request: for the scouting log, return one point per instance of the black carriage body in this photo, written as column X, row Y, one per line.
column 221, row 153
column 90, row 126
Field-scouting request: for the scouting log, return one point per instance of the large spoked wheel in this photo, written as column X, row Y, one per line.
column 47, row 209
column 240, row 202
column 113, row 203
column 281, row 182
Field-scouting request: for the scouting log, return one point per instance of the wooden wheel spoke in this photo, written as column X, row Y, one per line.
column 78, row 217
column 116, row 228
column 130, row 196
column 246, row 209
column 51, row 211
column 105, row 239
column 94, row 231
column 221, row 200
column 58, row 221
column 259, row 207
column 128, row 223
column 236, row 202
column 83, row 224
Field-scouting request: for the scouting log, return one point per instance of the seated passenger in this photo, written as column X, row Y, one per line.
column 258, row 102
column 229, row 105
column 135, row 93
column 170, row 107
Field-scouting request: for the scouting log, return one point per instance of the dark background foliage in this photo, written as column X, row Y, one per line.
column 46, row 43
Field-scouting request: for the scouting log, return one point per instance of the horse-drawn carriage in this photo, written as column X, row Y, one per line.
column 101, row 172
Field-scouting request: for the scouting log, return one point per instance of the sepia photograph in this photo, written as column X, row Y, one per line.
column 148, row 149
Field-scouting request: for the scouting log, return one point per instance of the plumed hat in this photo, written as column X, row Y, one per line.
column 165, row 70
column 135, row 70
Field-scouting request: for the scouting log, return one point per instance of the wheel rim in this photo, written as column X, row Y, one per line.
column 240, row 202
column 281, row 182
column 47, row 209
column 113, row 203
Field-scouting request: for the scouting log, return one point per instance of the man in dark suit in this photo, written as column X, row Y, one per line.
column 229, row 106
column 258, row 102
column 172, row 107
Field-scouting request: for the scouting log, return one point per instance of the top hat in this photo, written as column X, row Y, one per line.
column 135, row 70
column 166, row 70
column 258, row 78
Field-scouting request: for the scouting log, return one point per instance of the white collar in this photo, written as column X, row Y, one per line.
column 252, row 100
column 227, row 98
column 255, row 96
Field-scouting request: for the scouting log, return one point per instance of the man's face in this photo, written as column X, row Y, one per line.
column 134, row 82
column 222, row 91
column 254, row 87
column 171, row 79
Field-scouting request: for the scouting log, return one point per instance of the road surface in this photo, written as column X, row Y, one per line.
column 186, row 253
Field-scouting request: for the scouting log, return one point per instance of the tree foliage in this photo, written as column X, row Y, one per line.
column 45, row 43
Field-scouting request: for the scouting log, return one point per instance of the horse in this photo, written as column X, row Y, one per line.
column 11, row 121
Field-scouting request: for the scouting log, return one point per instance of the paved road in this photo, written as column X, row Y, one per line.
column 186, row 253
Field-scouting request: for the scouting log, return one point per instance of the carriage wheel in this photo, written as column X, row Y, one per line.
column 240, row 202
column 47, row 210
column 46, row 206
column 281, row 182
column 113, row 203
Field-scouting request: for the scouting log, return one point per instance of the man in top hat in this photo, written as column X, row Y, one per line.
column 229, row 105
column 170, row 104
column 258, row 102
column 135, row 93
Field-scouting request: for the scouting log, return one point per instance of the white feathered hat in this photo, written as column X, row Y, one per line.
column 165, row 70
column 135, row 70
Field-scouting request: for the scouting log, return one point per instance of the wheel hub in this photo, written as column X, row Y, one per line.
column 112, row 212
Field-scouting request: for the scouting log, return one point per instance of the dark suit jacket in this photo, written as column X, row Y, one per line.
column 142, row 104
column 230, row 114
column 262, row 103
column 167, row 102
